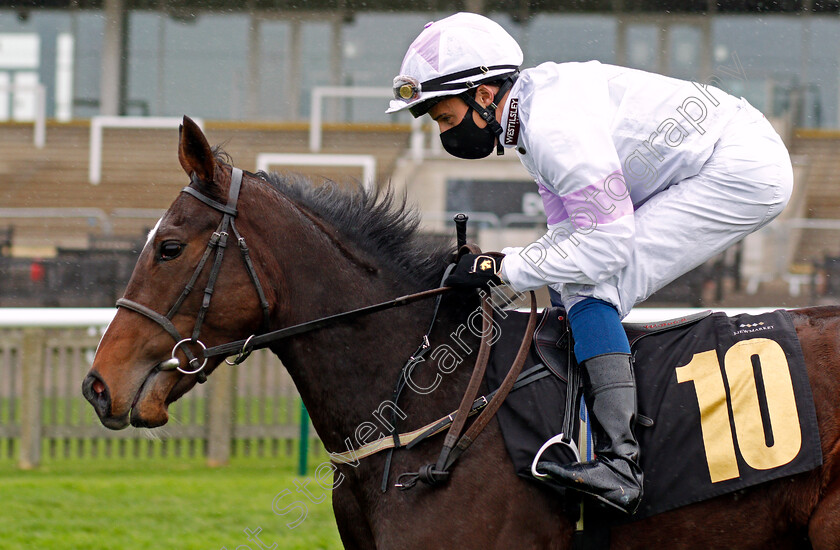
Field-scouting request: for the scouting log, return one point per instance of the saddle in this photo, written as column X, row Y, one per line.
column 755, row 359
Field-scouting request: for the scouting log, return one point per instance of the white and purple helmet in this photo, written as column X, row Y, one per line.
column 450, row 56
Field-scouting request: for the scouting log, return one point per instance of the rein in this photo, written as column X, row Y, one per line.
column 455, row 444
column 246, row 346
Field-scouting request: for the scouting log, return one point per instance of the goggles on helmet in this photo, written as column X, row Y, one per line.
column 406, row 88
column 410, row 90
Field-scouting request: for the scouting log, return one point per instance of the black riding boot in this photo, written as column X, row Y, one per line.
column 614, row 477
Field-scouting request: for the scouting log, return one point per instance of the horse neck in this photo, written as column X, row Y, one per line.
column 346, row 372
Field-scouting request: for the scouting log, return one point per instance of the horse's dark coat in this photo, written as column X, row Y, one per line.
column 311, row 268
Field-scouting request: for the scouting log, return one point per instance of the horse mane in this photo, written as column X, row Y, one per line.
column 377, row 221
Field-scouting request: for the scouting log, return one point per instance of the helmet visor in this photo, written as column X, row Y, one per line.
column 423, row 107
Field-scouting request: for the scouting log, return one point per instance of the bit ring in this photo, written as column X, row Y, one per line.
column 203, row 347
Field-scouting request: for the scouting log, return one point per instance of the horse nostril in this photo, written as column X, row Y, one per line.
column 96, row 392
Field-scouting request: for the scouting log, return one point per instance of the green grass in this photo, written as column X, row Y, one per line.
column 161, row 504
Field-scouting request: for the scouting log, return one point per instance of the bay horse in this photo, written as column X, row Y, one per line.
column 317, row 251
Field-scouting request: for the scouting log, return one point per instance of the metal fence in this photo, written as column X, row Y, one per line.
column 249, row 410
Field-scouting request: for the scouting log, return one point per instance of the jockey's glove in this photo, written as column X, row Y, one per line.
column 476, row 271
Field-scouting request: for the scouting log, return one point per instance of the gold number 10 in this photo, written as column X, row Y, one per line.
column 706, row 374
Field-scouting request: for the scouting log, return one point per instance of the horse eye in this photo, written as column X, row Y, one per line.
column 169, row 250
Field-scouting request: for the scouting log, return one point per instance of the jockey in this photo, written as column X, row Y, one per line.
column 643, row 178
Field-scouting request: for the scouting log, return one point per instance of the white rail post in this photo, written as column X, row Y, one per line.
column 95, row 154
column 417, row 139
column 39, row 125
column 315, row 120
column 32, row 376
column 316, row 107
column 220, row 418
column 40, row 130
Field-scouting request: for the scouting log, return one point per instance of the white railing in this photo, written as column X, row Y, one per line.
column 366, row 162
column 99, row 123
column 101, row 317
column 55, row 317
column 40, row 121
column 316, row 114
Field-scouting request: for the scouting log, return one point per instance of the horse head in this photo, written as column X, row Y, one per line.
column 151, row 353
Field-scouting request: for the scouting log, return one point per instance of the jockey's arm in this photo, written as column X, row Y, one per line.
column 571, row 154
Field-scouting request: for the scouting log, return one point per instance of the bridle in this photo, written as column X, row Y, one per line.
column 243, row 348
column 218, row 242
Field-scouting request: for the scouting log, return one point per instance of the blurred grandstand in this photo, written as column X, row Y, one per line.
column 313, row 78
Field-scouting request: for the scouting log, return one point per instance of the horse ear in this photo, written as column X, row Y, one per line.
column 194, row 152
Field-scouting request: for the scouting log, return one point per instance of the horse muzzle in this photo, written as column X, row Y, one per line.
column 96, row 392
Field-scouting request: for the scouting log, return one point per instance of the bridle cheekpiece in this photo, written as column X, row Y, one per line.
column 218, row 242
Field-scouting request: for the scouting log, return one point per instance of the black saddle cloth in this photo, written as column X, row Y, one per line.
column 729, row 400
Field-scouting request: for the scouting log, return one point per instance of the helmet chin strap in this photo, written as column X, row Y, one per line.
column 488, row 114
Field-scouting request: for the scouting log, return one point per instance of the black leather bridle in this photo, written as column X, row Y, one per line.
column 243, row 348
column 218, row 242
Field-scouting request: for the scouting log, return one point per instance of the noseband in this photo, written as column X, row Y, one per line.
column 218, row 242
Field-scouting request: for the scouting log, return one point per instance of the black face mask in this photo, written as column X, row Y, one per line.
column 468, row 141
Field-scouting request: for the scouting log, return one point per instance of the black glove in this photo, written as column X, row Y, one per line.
column 476, row 271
